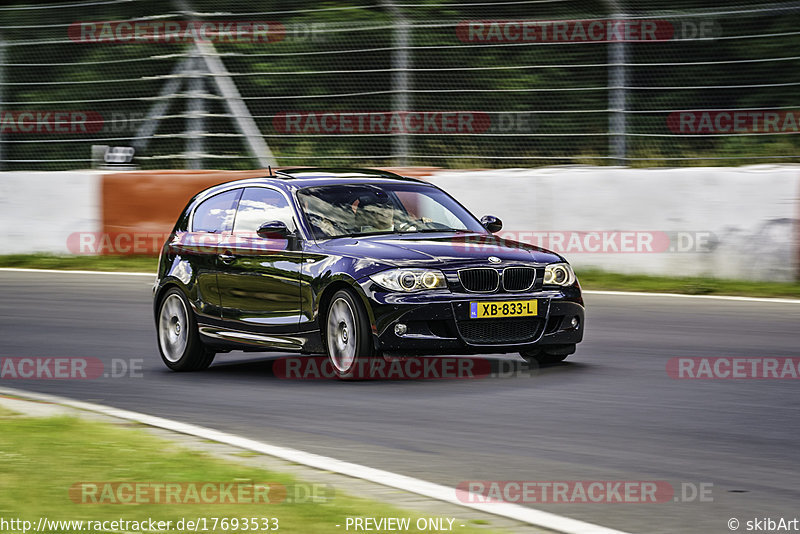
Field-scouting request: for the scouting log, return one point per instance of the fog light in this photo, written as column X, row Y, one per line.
column 574, row 322
column 400, row 329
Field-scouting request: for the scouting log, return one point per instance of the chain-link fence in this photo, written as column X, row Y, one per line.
column 518, row 83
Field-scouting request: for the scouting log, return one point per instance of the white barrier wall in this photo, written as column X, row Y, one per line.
column 723, row 222
column 737, row 222
column 39, row 210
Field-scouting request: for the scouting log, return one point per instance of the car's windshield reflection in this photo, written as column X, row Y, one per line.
column 355, row 210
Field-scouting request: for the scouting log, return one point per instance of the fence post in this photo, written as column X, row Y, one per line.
column 2, row 79
column 401, row 38
column 617, row 94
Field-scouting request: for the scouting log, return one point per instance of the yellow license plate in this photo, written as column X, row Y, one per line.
column 511, row 308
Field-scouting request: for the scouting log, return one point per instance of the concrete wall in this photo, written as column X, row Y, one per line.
column 40, row 210
column 743, row 220
column 725, row 222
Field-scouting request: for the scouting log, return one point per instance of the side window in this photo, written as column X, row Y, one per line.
column 259, row 205
column 216, row 214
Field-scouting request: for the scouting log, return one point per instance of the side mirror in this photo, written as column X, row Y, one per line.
column 492, row 223
column 273, row 230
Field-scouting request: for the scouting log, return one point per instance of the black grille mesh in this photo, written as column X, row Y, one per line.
column 518, row 278
column 499, row 331
column 479, row 280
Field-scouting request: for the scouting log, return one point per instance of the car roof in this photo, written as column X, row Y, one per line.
column 308, row 173
column 299, row 178
column 310, row 176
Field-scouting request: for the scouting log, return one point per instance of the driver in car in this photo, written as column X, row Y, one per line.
column 374, row 212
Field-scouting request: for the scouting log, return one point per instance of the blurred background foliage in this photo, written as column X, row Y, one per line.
column 343, row 56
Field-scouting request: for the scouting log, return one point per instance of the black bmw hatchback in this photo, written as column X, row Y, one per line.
column 354, row 264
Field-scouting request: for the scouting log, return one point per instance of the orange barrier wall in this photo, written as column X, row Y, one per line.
column 137, row 204
column 138, row 207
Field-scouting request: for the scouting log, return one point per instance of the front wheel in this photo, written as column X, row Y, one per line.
column 347, row 335
column 178, row 337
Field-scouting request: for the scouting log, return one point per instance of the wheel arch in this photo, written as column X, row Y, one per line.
column 326, row 295
column 162, row 290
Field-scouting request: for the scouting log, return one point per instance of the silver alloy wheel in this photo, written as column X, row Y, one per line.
column 342, row 335
column 173, row 328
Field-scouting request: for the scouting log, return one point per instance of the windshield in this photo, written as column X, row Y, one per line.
column 366, row 209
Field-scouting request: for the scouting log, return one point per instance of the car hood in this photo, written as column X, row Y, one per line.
column 438, row 250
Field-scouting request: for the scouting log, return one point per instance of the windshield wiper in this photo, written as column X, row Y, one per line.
column 434, row 230
column 362, row 234
column 399, row 232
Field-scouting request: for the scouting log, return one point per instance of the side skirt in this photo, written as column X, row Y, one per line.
column 309, row 342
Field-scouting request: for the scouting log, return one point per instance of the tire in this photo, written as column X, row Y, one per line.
column 348, row 342
column 177, row 334
column 549, row 355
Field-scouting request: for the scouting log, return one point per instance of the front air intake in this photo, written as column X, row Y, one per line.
column 518, row 278
column 482, row 280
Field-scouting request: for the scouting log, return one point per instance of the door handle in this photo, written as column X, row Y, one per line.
column 226, row 257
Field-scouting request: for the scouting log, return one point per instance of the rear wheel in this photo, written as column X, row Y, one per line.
column 347, row 335
column 178, row 337
column 548, row 355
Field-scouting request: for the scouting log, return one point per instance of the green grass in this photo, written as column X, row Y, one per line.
column 601, row 280
column 142, row 264
column 590, row 278
column 41, row 459
column 4, row 412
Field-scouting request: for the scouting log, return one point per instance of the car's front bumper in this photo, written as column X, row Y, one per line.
column 438, row 322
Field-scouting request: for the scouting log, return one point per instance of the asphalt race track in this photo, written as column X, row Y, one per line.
column 610, row 413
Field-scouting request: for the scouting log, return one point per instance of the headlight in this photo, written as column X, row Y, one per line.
column 409, row 280
column 559, row 274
